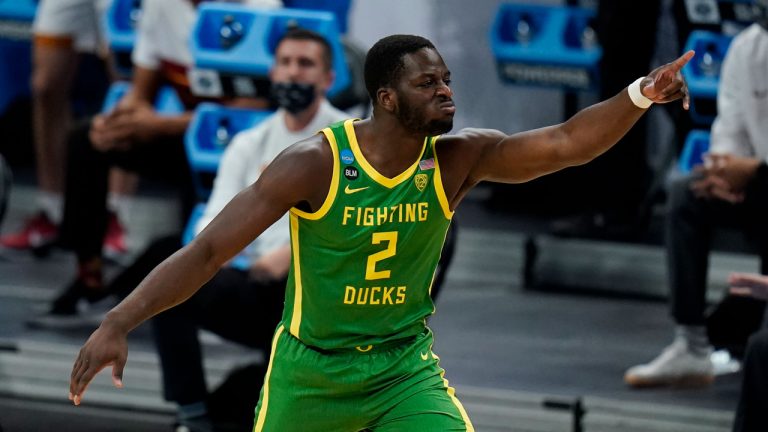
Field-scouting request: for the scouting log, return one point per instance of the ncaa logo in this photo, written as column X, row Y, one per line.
column 347, row 157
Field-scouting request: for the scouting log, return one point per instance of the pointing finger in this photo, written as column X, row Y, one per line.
column 682, row 60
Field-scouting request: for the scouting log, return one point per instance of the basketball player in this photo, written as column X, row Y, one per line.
column 369, row 203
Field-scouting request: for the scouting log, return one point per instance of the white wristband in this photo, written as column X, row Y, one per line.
column 636, row 95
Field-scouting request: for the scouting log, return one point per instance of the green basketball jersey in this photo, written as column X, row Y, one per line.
column 362, row 265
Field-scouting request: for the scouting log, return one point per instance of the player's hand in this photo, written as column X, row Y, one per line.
column 106, row 346
column 666, row 84
column 749, row 285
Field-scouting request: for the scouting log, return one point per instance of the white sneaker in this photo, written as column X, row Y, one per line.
column 675, row 366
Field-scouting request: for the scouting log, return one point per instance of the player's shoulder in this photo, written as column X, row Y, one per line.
column 312, row 151
column 473, row 136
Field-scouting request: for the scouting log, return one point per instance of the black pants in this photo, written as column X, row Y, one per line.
column 752, row 413
column 230, row 304
column 87, row 185
column 618, row 180
column 690, row 224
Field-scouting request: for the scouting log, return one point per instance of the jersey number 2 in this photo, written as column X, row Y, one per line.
column 391, row 238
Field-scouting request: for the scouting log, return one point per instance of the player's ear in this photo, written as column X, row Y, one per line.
column 387, row 98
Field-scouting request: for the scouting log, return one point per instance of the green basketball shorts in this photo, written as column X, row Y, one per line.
column 390, row 388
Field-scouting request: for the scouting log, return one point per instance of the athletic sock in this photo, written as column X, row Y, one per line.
column 695, row 338
column 51, row 204
column 193, row 410
column 119, row 204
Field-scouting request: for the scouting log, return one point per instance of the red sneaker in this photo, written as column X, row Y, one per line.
column 38, row 232
column 114, row 241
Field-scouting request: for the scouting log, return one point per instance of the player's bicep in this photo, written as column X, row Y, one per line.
column 292, row 178
column 519, row 157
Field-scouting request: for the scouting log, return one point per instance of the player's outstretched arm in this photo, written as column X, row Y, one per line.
column 592, row 131
column 298, row 176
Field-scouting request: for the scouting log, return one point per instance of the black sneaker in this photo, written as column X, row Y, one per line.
column 66, row 311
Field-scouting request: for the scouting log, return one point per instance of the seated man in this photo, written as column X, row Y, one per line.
column 730, row 189
column 132, row 136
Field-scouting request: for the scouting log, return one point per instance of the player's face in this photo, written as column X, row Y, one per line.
column 424, row 98
column 302, row 61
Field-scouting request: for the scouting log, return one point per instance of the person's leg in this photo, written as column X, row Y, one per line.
column 308, row 390
column 753, row 400
column 62, row 31
column 229, row 305
column 122, row 188
column 85, row 204
column 418, row 396
column 82, row 228
column 688, row 236
column 85, row 210
column 55, row 64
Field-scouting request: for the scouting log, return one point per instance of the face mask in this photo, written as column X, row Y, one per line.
column 294, row 97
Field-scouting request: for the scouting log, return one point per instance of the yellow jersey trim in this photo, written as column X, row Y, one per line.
column 369, row 169
column 438, row 180
column 265, row 401
column 296, row 316
column 331, row 197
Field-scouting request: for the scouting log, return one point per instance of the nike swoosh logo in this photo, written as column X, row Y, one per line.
column 424, row 356
column 348, row 190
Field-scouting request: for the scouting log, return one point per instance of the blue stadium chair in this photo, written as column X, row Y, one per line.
column 546, row 46
column 696, row 144
column 120, row 23
column 703, row 73
column 340, row 9
column 233, row 47
column 16, row 18
column 18, row 10
column 209, row 132
column 166, row 101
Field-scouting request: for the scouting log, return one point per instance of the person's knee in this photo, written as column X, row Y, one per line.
column 680, row 195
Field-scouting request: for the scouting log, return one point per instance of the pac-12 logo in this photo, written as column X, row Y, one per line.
column 421, row 181
column 347, row 157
